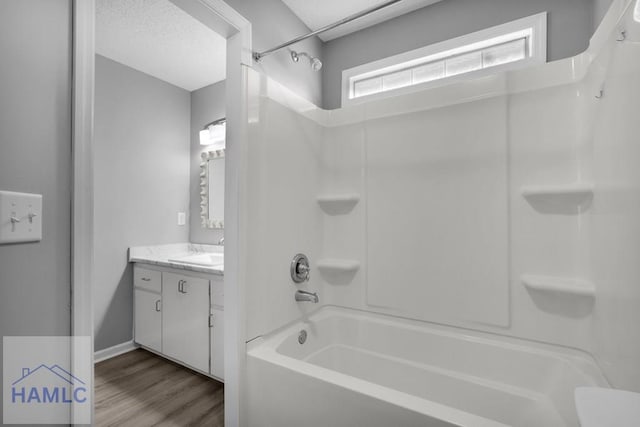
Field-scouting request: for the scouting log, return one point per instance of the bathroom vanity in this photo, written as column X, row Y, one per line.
column 179, row 304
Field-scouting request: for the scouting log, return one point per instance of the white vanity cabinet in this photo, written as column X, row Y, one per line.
column 179, row 314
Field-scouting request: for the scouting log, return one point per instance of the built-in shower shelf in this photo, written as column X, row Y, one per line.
column 573, row 193
column 338, row 265
column 339, row 203
column 560, row 285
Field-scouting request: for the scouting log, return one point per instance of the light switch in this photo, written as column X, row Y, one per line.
column 182, row 218
column 20, row 217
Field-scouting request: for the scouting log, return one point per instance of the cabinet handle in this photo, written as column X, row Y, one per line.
column 158, row 307
column 146, row 279
column 181, row 284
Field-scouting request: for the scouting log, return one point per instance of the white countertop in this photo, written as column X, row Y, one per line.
column 160, row 255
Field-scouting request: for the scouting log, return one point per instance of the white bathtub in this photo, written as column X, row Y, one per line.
column 362, row 369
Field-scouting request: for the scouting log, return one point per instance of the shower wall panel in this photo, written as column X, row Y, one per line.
column 282, row 214
column 437, row 213
column 615, row 215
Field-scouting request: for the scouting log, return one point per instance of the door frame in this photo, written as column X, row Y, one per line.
column 220, row 17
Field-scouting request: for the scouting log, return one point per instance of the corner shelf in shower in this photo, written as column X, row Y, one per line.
column 338, row 265
column 559, row 285
column 338, row 203
column 575, row 194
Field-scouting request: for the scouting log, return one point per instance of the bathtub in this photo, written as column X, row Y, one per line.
column 363, row 369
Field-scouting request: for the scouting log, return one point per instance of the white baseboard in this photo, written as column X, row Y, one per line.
column 116, row 350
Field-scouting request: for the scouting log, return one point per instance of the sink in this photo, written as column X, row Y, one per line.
column 203, row 259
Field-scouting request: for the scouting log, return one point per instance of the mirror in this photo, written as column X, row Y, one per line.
column 212, row 189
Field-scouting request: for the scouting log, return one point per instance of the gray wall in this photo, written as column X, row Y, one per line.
column 142, row 128
column 35, row 157
column 600, row 8
column 570, row 24
column 207, row 105
column 273, row 23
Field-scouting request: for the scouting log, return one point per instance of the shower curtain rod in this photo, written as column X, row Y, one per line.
column 257, row 56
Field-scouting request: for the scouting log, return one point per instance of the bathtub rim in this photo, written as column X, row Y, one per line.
column 576, row 356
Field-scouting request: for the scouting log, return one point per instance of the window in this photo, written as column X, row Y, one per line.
column 508, row 46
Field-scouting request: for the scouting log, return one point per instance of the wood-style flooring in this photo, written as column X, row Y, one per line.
column 141, row 389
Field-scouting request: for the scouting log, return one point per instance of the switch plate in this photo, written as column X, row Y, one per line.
column 20, row 217
column 182, row 218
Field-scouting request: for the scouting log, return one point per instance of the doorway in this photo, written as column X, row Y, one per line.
column 221, row 18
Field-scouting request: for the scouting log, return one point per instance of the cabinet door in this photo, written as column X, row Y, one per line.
column 185, row 319
column 217, row 291
column 217, row 343
column 148, row 319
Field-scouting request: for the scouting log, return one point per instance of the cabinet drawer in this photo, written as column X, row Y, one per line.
column 217, row 292
column 144, row 278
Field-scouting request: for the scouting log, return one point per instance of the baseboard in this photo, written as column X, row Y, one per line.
column 116, row 350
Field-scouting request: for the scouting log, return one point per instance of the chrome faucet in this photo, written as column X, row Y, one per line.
column 304, row 296
column 221, row 241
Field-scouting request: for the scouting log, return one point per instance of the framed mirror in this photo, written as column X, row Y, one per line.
column 212, row 189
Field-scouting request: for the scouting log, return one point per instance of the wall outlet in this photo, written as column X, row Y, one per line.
column 20, row 217
column 182, row 218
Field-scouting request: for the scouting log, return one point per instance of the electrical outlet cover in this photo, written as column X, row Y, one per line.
column 26, row 209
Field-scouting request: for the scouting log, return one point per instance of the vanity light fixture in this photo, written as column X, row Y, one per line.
column 214, row 133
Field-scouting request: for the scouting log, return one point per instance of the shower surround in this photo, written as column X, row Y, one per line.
column 505, row 206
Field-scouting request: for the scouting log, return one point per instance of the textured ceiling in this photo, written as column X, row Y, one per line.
column 318, row 13
column 158, row 38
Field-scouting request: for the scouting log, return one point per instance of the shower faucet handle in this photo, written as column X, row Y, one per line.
column 300, row 268
column 303, row 269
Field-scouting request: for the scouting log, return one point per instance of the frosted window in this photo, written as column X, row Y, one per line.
column 454, row 65
column 505, row 47
column 504, row 53
column 463, row 63
column 396, row 80
column 367, row 87
column 428, row 72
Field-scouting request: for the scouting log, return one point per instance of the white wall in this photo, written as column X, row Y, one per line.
column 35, row 157
column 142, row 161
column 207, row 105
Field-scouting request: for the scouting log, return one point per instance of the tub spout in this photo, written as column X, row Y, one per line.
column 304, row 296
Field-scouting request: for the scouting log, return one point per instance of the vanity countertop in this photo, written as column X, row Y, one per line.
column 168, row 255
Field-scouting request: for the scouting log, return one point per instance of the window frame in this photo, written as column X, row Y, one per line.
column 536, row 24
